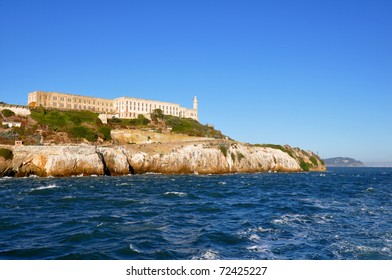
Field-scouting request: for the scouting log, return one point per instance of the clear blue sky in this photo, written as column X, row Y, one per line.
column 313, row 74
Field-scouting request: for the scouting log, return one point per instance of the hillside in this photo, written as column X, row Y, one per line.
column 73, row 127
column 342, row 162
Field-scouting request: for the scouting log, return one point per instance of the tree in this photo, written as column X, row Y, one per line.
column 157, row 115
column 8, row 113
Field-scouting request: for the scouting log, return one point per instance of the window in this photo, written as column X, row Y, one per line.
column 54, row 97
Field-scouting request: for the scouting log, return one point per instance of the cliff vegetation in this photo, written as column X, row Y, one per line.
column 47, row 126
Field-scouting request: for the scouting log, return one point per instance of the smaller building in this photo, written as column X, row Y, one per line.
column 18, row 143
column 12, row 124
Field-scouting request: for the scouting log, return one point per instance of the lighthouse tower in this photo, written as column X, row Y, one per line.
column 195, row 103
column 196, row 107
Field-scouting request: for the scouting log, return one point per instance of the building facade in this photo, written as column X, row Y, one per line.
column 130, row 107
column 123, row 107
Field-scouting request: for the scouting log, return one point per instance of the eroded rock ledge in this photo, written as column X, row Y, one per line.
column 202, row 157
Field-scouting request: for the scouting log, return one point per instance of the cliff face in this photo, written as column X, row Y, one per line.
column 198, row 157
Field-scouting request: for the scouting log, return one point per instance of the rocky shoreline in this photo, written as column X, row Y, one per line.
column 199, row 157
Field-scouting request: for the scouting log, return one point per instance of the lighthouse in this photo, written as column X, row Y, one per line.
column 195, row 114
column 195, row 103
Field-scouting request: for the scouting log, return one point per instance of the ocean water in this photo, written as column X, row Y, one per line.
column 338, row 214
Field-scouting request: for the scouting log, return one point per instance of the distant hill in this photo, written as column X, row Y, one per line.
column 342, row 162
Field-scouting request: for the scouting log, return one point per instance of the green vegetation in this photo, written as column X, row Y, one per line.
column 141, row 121
column 304, row 166
column 223, row 149
column 81, row 132
column 233, row 157
column 240, row 156
column 6, row 154
column 157, row 115
column 191, row 127
column 86, row 125
column 7, row 113
column 60, row 120
column 104, row 133
column 279, row 147
column 313, row 160
column 78, row 124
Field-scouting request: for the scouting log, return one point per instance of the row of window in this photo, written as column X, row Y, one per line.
column 79, row 107
column 144, row 106
column 80, row 100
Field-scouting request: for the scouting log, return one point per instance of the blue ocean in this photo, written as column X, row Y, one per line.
column 344, row 213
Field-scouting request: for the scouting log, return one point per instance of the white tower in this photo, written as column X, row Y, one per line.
column 195, row 108
column 195, row 103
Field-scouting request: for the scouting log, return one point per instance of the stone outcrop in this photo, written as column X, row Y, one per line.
column 201, row 157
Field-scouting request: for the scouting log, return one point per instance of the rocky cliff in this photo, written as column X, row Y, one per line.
column 201, row 157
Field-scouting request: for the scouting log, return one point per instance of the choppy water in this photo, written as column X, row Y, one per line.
column 339, row 214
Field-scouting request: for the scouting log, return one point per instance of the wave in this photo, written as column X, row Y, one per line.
column 134, row 249
column 209, row 255
column 52, row 186
column 291, row 218
column 264, row 250
column 180, row 194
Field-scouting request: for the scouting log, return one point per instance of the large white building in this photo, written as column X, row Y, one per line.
column 123, row 107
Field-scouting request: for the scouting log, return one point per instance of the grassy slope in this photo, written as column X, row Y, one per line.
column 76, row 126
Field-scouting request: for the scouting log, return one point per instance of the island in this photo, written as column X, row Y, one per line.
column 343, row 162
column 42, row 141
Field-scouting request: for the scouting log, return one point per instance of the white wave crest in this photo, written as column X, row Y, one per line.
column 134, row 248
column 254, row 237
column 180, row 194
column 291, row 218
column 52, row 186
column 209, row 255
column 262, row 249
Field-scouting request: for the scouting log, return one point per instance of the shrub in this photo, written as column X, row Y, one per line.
column 142, row 120
column 223, row 149
column 6, row 154
column 279, row 147
column 84, row 132
column 313, row 160
column 7, row 113
column 105, row 132
column 191, row 127
column 304, row 166
column 115, row 120
column 156, row 115
column 233, row 157
column 240, row 156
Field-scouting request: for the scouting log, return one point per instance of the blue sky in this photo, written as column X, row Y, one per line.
column 313, row 74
